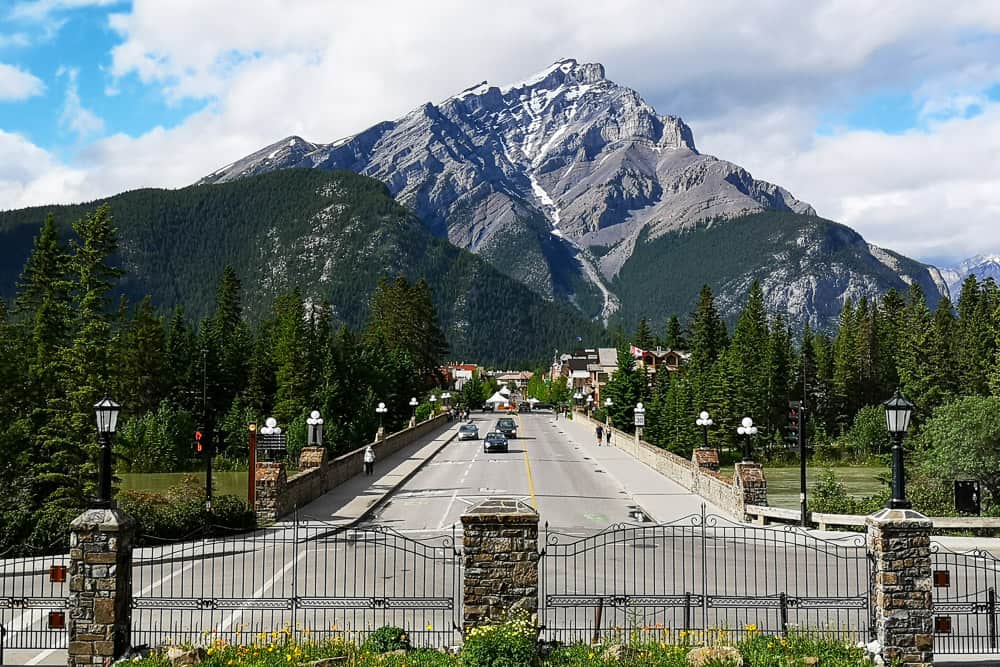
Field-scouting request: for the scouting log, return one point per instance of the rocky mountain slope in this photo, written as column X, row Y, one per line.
column 332, row 235
column 980, row 266
column 556, row 180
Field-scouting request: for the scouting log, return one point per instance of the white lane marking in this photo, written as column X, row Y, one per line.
column 47, row 652
column 268, row 585
column 454, row 495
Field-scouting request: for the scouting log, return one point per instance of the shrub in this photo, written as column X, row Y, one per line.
column 180, row 512
column 387, row 638
column 508, row 644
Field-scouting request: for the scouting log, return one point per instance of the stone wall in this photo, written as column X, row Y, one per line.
column 100, row 587
column 277, row 496
column 899, row 545
column 749, row 486
column 500, row 551
column 715, row 487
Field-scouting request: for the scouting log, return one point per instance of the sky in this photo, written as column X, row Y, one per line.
column 883, row 114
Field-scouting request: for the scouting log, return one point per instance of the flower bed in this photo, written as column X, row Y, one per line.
column 513, row 644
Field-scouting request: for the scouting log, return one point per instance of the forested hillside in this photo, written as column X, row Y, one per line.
column 331, row 235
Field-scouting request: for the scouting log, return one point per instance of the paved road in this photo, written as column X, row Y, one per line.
column 554, row 464
column 402, row 568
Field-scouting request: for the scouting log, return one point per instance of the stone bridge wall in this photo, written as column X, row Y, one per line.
column 277, row 495
column 747, row 486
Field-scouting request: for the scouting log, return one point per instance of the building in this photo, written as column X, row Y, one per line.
column 457, row 375
column 518, row 379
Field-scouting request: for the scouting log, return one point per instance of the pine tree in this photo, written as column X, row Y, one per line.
column 675, row 339
column 144, row 360
column 846, row 375
column 708, row 340
column 290, row 357
column 643, row 338
column 748, row 359
column 626, row 388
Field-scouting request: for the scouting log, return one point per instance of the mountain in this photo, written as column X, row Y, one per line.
column 980, row 266
column 563, row 181
column 330, row 234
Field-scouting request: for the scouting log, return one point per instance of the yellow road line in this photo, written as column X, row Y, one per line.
column 531, row 481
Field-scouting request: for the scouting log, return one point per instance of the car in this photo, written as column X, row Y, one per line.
column 468, row 432
column 507, row 426
column 495, row 440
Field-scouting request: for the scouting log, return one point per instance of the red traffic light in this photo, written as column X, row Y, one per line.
column 197, row 440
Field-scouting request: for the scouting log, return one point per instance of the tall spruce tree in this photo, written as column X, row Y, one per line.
column 643, row 338
column 675, row 339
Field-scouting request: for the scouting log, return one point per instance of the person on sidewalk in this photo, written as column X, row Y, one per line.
column 607, row 435
column 600, row 435
column 369, row 460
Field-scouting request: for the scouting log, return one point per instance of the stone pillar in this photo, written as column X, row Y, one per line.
column 500, row 540
column 100, row 587
column 706, row 458
column 899, row 545
column 269, row 483
column 413, row 422
column 312, row 457
column 749, row 485
column 380, row 434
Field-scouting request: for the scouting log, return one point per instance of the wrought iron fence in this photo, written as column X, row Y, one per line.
column 33, row 593
column 309, row 577
column 965, row 601
column 703, row 575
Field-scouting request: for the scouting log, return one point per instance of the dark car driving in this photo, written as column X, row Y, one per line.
column 507, row 426
column 495, row 441
column 468, row 432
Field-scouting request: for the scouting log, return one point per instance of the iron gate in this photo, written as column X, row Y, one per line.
column 309, row 577
column 965, row 601
column 33, row 593
column 702, row 573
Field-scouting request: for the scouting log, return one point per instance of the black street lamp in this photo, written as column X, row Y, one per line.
column 106, row 411
column 749, row 430
column 898, row 411
column 590, row 404
column 413, row 404
column 381, row 410
column 704, row 421
column 607, row 411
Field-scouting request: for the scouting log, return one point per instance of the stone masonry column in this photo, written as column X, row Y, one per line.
column 269, row 487
column 749, row 485
column 500, row 540
column 899, row 545
column 100, row 587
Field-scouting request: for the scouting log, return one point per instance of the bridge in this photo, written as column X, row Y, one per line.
column 619, row 546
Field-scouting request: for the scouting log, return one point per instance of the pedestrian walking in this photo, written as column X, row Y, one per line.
column 600, row 435
column 369, row 460
column 607, row 435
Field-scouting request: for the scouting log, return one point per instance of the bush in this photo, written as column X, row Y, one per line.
column 800, row 649
column 181, row 512
column 829, row 495
column 508, row 644
column 385, row 639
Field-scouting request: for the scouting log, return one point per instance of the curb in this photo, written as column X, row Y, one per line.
column 406, row 478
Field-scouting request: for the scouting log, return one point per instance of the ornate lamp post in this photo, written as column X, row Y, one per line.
column 106, row 412
column 381, row 410
column 446, row 397
column 898, row 411
column 590, row 404
column 315, row 423
column 578, row 397
column 413, row 404
column 640, row 421
column 704, row 421
column 749, row 430
column 433, row 400
column 607, row 411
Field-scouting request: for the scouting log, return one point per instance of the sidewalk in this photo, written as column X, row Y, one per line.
column 662, row 499
column 353, row 500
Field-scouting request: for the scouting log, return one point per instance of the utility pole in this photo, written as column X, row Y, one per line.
column 803, row 509
column 209, row 430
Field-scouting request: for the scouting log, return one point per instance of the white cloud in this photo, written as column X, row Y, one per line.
column 74, row 117
column 16, row 84
column 30, row 175
column 751, row 84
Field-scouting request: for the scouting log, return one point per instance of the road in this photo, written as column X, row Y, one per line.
column 402, row 566
column 554, row 465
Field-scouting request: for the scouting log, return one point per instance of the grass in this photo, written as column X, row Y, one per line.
column 783, row 482
column 224, row 483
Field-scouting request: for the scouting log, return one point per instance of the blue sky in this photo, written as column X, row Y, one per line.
column 884, row 115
